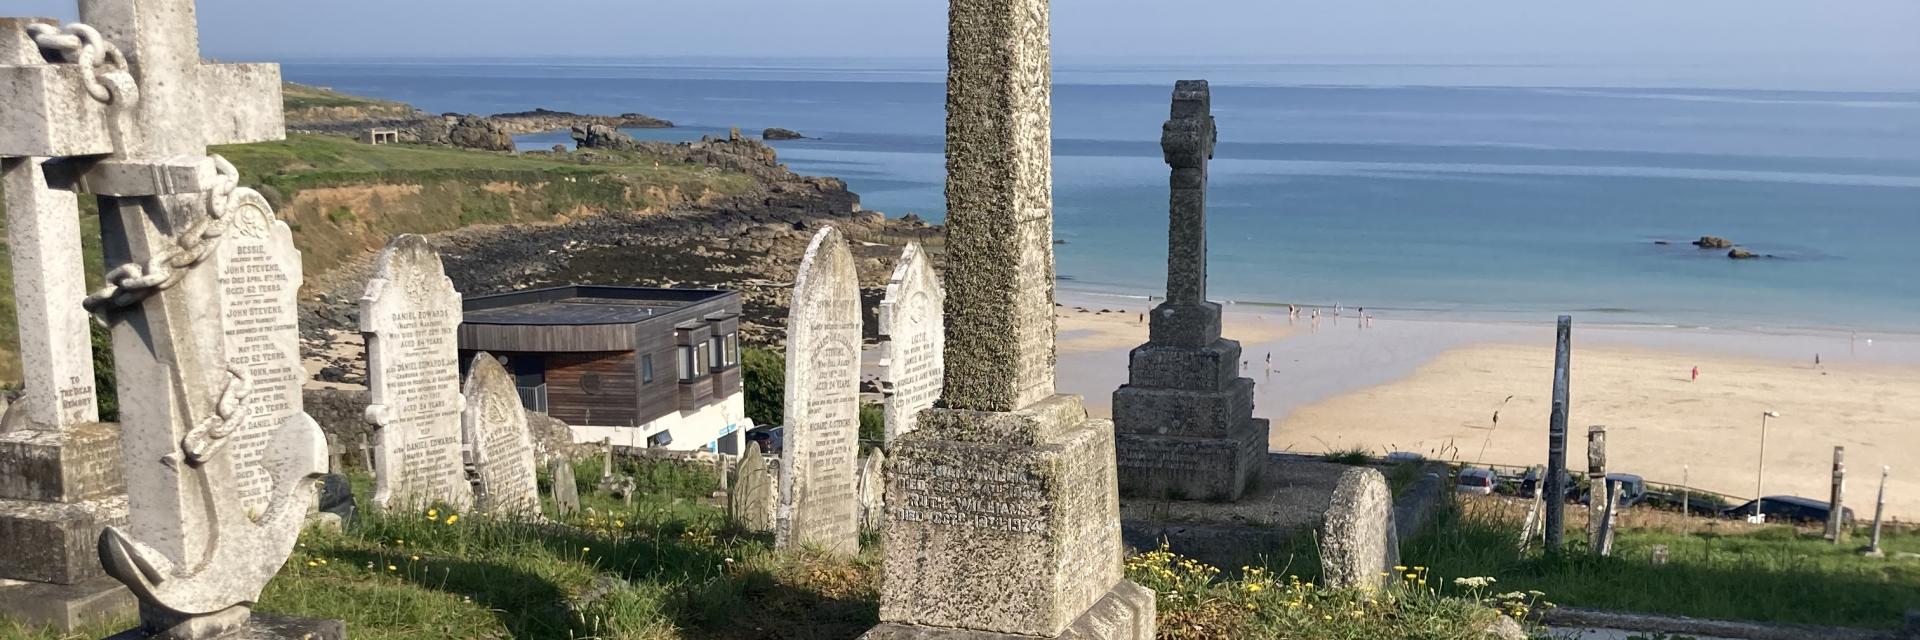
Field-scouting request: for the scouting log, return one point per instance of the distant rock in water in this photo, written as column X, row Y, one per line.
column 777, row 133
column 1662, row 242
column 1740, row 253
column 600, row 136
column 542, row 120
column 1713, row 242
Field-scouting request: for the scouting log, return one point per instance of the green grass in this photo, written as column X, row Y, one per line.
column 1358, row 457
column 1721, row 571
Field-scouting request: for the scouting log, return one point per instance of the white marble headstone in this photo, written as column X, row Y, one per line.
column 499, row 442
column 410, row 316
column 818, row 501
column 260, row 275
column 913, row 340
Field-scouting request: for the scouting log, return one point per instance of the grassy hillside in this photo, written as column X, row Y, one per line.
column 343, row 198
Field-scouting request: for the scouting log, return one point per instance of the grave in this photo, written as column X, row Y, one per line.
column 1184, row 420
column 912, row 340
column 410, row 315
column 499, row 445
column 873, row 490
column 566, row 492
column 750, row 500
column 1003, row 506
column 60, row 481
column 217, row 462
column 818, row 501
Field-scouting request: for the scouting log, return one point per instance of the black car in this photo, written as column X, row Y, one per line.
column 1530, row 483
column 1790, row 509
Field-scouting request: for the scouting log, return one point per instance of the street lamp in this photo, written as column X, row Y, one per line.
column 1759, row 476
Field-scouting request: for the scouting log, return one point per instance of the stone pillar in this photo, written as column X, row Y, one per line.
column 1836, row 505
column 1555, row 484
column 1599, row 492
column 1184, row 420
column 1003, row 509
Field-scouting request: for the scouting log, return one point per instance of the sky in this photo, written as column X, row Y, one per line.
column 1848, row 33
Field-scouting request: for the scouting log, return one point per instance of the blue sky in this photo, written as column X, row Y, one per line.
column 1846, row 33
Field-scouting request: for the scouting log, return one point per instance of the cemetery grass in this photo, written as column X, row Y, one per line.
column 1716, row 569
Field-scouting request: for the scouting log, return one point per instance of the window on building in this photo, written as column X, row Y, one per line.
column 689, row 367
column 733, row 349
column 646, row 369
column 716, row 352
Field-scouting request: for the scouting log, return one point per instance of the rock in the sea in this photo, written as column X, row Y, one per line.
column 600, row 136
column 777, row 133
column 1740, row 253
column 1662, row 242
column 473, row 132
column 1713, row 242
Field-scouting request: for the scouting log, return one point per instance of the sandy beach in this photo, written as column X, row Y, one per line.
column 1432, row 386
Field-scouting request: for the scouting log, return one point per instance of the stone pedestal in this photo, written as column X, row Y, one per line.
column 58, row 490
column 66, row 606
column 1184, row 421
column 1006, row 525
column 267, row 626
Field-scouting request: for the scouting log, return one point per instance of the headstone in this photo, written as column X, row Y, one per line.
column 873, row 491
column 366, row 454
column 566, row 492
column 1555, row 484
column 200, row 379
column 495, row 426
column 1658, row 555
column 913, row 340
column 336, row 497
column 1357, row 539
column 410, row 315
column 1003, row 513
column 751, row 504
column 1599, row 492
column 1184, row 420
column 818, row 501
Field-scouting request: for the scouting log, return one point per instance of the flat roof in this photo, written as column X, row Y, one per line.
column 584, row 305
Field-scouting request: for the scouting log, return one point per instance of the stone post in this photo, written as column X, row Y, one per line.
column 1599, row 492
column 1184, row 420
column 1836, row 504
column 1003, row 513
column 1555, row 485
column 1879, row 509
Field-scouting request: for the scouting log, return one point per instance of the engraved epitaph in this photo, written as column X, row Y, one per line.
column 1184, row 420
column 259, row 274
column 913, row 335
column 499, row 442
column 818, row 504
column 410, row 315
column 1002, row 515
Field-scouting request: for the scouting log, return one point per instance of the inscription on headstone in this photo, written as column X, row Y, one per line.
column 818, row 505
column 913, row 333
column 410, row 315
column 260, row 275
column 495, row 427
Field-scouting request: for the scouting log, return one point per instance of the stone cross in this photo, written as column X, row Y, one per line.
column 1187, row 141
column 133, row 126
column 43, row 240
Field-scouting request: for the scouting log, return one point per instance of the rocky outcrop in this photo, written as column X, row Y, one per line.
column 542, row 120
column 599, row 136
column 1741, row 253
column 474, row 132
column 777, row 133
column 1713, row 242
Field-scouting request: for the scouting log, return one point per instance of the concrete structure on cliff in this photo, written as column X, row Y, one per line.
column 1003, row 508
column 1184, row 421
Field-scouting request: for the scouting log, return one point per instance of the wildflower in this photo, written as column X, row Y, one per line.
column 311, row 563
column 400, row 542
column 1253, row 587
column 415, row 558
column 392, row 568
column 1474, row 582
column 1536, row 594
column 585, row 549
column 453, row 518
column 729, row 560
column 1400, row 567
column 323, row 561
column 433, row 514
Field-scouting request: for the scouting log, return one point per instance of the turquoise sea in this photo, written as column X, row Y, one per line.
column 1499, row 192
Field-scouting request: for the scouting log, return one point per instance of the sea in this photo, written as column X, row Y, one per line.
column 1500, row 192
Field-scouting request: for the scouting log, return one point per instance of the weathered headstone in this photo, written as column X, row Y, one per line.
column 1003, row 513
column 495, row 426
column 1184, row 420
column 260, row 275
column 913, row 340
column 818, row 501
column 204, row 534
column 1555, row 484
column 336, row 497
column 750, row 503
column 566, row 492
column 873, row 491
column 410, row 315
column 1357, row 539
column 1599, row 491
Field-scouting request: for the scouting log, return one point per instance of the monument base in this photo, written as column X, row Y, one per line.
column 1190, row 468
column 66, row 607
column 1125, row 613
column 1287, row 504
column 56, row 541
column 265, row 626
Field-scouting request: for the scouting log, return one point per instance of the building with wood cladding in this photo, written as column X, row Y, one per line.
column 642, row 367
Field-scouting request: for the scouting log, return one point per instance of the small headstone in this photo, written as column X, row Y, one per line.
column 1357, row 541
column 336, row 497
column 1659, row 554
column 913, row 340
column 566, row 493
column 410, row 315
column 366, row 454
column 495, row 428
column 873, row 491
column 750, row 505
column 818, row 505
column 335, row 458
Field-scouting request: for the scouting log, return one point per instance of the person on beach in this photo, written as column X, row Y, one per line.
column 1816, row 361
column 1696, row 373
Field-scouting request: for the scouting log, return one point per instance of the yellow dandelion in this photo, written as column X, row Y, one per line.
column 453, row 518
column 392, row 568
column 311, row 563
column 415, row 558
column 585, row 549
column 1400, row 567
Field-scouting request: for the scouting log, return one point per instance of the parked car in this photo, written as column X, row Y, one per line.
column 1530, row 483
column 1475, row 481
column 1633, row 489
column 1398, row 457
column 1790, row 509
column 771, row 439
